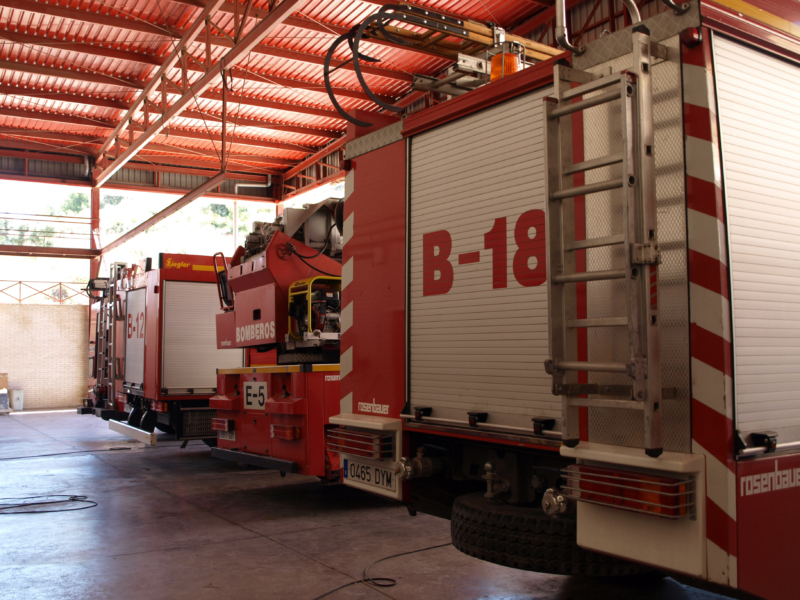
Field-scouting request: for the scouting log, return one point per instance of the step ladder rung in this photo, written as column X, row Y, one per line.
column 607, row 322
column 609, row 240
column 592, row 188
column 595, row 163
column 568, row 109
column 606, row 403
column 592, row 86
column 602, row 367
column 589, row 276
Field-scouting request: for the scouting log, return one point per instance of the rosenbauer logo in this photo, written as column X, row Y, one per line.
column 172, row 264
column 528, row 262
column 255, row 332
column 376, row 409
column 772, row 481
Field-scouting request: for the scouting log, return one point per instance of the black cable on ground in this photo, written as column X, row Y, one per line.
column 380, row 581
column 11, row 509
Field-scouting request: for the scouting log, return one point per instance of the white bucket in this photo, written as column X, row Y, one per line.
column 15, row 398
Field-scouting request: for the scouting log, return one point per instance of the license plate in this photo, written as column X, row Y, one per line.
column 227, row 435
column 255, row 394
column 370, row 474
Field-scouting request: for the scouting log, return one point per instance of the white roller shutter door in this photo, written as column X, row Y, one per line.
column 482, row 344
column 758, row 98
column 189, row 355
column 134, row 336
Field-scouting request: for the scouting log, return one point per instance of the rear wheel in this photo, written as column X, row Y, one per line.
column 210, row 442
column 525, row 538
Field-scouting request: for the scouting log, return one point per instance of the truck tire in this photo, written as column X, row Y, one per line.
column 525, row 538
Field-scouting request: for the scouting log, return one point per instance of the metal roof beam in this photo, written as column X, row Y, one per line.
column 171, row 60
column 173, row 132
column 49, row 252
column 81, row 47
column 329, row 149
column 55, row 118
column 243, row 122
column 75, row 75
column 210, row 172
column 212, row 77
column 8, row 90
column 171, row 209
column 134, row 25
column 217, row 96
column 188, row 152
column 193, row 162
column 174, row 149
column 102, row 123
column 243, row 141
column 308, row 25
column 97, row 18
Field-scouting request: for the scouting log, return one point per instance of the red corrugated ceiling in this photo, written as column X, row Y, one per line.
column 69, row 69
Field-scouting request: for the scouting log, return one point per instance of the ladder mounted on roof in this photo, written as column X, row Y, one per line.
column 632, row 90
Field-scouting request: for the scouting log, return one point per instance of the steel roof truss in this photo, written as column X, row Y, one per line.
column 212, row 76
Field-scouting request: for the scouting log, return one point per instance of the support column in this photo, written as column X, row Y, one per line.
column 94, row 268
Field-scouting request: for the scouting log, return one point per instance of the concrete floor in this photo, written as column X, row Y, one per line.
column 177, row 524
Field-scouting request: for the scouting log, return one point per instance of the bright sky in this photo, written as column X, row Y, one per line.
column 188, row 231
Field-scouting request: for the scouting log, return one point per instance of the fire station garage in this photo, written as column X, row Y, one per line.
column 441, row 299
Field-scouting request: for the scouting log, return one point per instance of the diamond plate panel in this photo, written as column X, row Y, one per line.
column 602, row 136
column 614, row 45
column 372, row 141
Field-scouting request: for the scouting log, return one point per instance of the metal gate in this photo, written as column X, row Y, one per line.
column 758, row 98
column 478, row 299
column 190, row 356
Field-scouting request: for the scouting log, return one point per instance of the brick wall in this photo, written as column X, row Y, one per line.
column 44, row 350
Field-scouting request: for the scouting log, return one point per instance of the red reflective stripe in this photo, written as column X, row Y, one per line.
column 713, row 431
column 700, row 55
column 708, row 272
column 697, row 123
column 720, row 528
column 704, row 197
column 711, row 349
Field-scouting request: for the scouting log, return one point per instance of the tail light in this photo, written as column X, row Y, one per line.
column 284, row 432
column 222, row 424
column 361, row 443
column 668, row 497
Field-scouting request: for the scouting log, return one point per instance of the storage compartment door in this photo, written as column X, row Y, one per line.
column 758, row 99
column 134, row 337
column 478, row 289
column 189, row 355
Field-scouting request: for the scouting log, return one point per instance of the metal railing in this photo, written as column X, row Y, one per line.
column 43, row 292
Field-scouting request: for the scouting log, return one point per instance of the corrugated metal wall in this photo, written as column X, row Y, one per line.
column 133, row 176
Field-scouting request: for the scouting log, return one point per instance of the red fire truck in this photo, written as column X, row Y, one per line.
column 154, row 349
column 280, row 301
column 569, row 307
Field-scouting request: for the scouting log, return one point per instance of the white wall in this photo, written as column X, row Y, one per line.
column 44, row 350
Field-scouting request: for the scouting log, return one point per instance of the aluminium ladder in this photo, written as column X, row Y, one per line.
column 632, row 89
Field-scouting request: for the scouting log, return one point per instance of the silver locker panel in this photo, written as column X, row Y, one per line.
column 758, row 96
column 134, row 336
column 189, row 356
column 477, row 346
